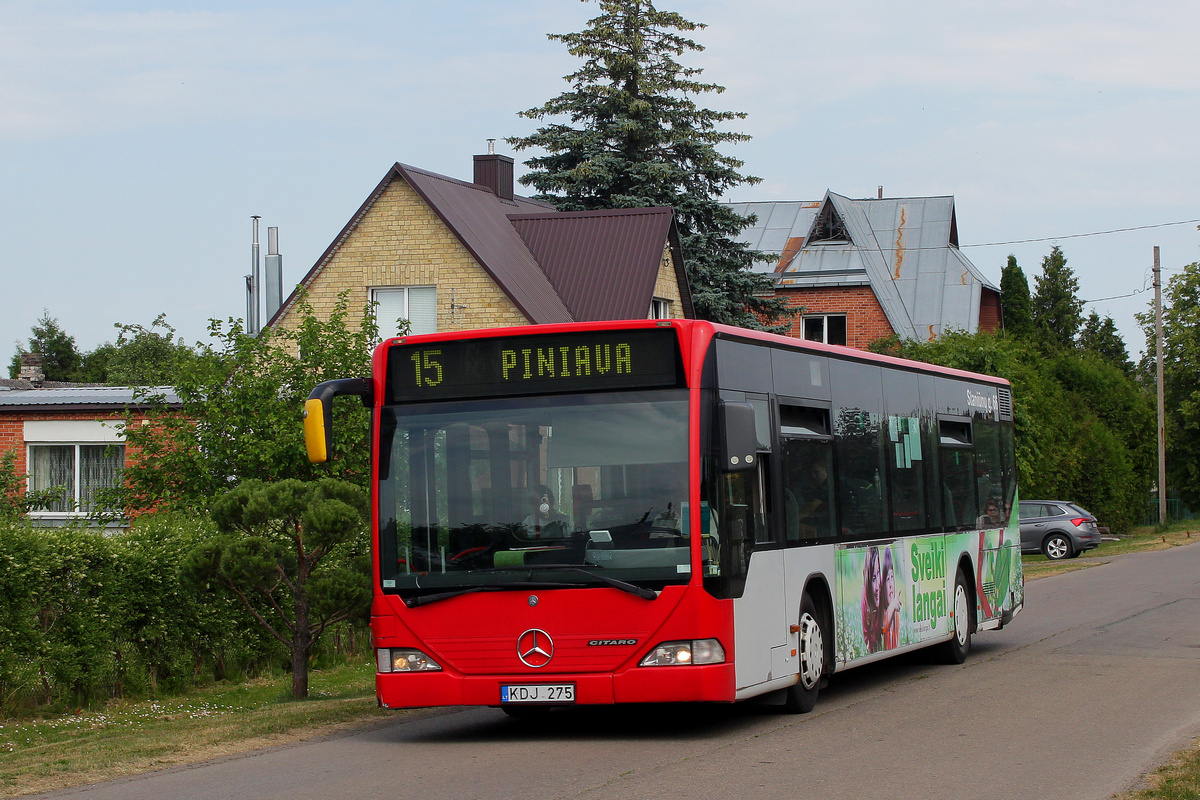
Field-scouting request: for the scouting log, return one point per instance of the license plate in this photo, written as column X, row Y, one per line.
column 537, row 693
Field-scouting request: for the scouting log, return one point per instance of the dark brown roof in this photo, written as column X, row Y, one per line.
column 603, row 263
column 555, row 267
column 480, row 221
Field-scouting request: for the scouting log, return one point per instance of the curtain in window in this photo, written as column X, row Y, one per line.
column 54, row 465
column 422, row 309
column 417, row 304
column 99, row 468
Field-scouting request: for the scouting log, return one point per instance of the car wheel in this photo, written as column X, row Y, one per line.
column 802, row 695
column 955, row 651
column 1057, row 546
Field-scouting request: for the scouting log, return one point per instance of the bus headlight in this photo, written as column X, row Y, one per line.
column 675, row 654
column 400, row 659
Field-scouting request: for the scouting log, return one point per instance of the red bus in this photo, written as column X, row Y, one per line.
column 673, row 511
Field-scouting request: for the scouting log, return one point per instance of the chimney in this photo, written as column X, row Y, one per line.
column 495, row 172
column 274, row 275
column 880, row 192
column 31, row 369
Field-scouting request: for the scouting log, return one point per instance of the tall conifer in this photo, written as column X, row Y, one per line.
column 628, row 134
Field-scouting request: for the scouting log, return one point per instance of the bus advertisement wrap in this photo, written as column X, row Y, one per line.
column 892, row 594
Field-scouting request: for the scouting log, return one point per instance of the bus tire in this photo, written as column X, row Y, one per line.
column 955, row 651
column 801, row 696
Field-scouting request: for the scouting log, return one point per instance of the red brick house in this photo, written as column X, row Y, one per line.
column 67, row 435
column 865, row 269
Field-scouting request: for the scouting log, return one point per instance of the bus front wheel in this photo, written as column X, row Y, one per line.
column 802, row 695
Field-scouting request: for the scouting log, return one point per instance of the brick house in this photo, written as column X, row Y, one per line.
column 865, row 269
column 448, row 255
column 70, row 436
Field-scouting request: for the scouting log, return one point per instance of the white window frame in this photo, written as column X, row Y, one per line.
column 69, row 433
column 824, row 327
column 660, row 308
column 387, row 327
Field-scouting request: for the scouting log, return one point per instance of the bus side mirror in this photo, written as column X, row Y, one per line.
column 318, row 413
column 739, row 440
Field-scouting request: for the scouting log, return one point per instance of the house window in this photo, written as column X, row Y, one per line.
column 827, row 328
column 660, row 308
column 79, row 471
column 417, row 304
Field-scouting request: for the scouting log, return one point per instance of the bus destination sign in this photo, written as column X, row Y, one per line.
column 538, row 364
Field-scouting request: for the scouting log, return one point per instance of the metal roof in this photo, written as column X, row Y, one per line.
column 604, row 264
column 906, row 249
column 554, row 266
column 84, row 397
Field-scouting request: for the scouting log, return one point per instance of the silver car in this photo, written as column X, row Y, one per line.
column 1057, row 528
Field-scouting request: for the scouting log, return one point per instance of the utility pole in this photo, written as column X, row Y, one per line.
column 1162, row 409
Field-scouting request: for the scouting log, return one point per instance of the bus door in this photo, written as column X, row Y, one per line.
column 760, row 620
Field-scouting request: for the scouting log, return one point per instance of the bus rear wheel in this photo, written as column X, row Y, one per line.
column 955, row 651
column 801, row 696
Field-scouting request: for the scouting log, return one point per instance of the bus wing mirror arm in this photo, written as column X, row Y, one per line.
column 739, row 441
column 318, row 413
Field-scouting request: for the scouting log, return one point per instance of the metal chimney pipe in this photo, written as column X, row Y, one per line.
column 274, row 275
column 880, row 192
column 252, row 325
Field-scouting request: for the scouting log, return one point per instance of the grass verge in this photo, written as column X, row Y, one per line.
column 1178, row 779
column 129, row 738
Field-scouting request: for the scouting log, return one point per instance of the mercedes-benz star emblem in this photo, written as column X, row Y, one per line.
column 535, row 648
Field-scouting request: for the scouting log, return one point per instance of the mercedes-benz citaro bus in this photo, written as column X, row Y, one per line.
column 672, row 511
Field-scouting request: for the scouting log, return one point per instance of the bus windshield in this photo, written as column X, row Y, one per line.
column 507, row 492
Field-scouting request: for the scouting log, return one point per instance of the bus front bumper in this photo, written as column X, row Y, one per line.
column 682, row 684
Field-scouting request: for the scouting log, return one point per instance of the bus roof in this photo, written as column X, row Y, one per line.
column 706, row 331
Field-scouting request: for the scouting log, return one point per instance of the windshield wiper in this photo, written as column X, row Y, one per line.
column 426, row 599
column 640, row 591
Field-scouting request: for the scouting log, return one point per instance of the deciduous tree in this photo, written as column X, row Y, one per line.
column 242, row 399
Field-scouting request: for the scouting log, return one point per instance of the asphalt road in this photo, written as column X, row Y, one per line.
column 1095, row 683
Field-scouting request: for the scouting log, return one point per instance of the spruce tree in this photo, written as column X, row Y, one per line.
column 1014, row 300
column 1100, row 336
column 1057, row 309
column 628, row 134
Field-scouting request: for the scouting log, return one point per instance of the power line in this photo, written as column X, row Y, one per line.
column 1081, row 235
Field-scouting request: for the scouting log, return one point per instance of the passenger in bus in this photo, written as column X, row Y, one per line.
column 990, row 518
column 892, row 596
column 545, row 521
column 872, row 601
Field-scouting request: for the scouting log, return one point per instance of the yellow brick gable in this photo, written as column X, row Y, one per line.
column 400, row 241
column 666, row 285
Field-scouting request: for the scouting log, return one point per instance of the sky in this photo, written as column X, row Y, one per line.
column 137, row 138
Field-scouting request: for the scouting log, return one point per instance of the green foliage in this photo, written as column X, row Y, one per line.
column 636, row 138
column 1015, row 305
column 1100, row 336
column 293, row 554
column 15, row 499
column 142, row 356
column 1181, row 379
column 242, row 401
column 86, row 615
column 1057, row 309
column 1084, row 429
column 60, row 358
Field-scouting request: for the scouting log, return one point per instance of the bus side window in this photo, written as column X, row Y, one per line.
column 807, row 464
column 808, row 490
column 956, row 457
